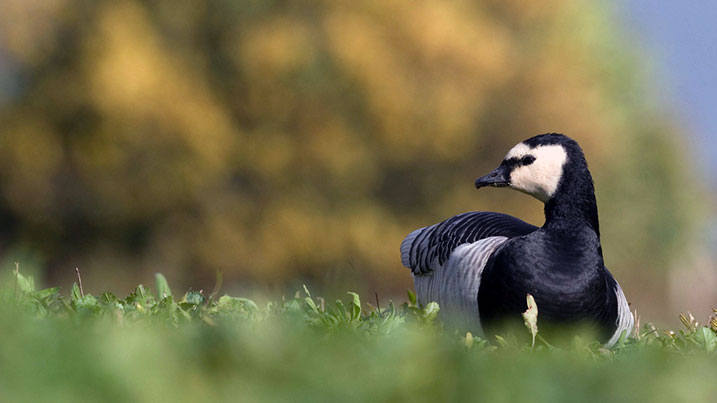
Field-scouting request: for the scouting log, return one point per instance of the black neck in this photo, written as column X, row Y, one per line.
column 573, row 205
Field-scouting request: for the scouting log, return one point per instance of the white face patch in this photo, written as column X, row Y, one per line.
column 539, row 179
column 519, row 151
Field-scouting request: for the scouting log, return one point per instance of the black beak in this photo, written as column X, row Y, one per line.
column 498, row 178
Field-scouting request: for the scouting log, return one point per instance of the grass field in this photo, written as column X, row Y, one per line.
column 154, row 346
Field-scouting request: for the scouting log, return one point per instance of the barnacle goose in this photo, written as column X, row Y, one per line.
column 479, row 266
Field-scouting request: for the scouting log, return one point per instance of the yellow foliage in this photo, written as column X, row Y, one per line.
column 272, row 140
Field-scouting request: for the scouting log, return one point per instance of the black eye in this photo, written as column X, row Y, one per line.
column 527, row 160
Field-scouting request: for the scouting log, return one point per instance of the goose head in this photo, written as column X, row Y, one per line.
column 539, row 166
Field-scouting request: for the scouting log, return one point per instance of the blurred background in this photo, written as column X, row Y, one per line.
column 291, row 142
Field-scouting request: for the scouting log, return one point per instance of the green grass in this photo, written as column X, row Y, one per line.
column 153, row 346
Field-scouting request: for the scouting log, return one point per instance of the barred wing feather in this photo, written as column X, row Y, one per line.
column 427, row 248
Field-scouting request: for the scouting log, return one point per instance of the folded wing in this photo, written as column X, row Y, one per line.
column 428, row 248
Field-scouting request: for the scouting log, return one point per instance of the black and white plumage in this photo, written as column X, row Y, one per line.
column 479, row 266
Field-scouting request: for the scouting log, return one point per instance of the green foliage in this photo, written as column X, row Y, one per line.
column 143, row 305
column 530, row 317
column 149, row 347
column 163, row 289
